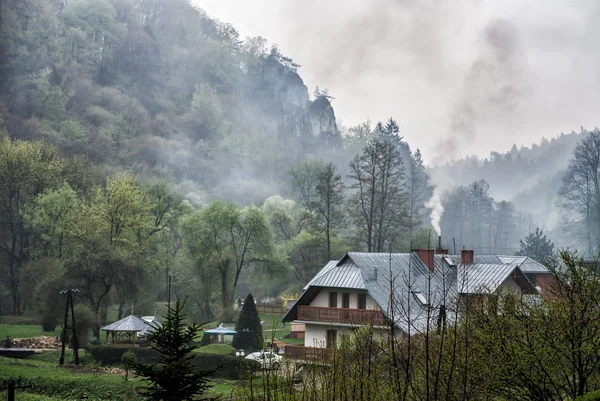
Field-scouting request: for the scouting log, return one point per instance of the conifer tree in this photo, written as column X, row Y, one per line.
column 537, row 246
column 249, row 336
column 173, row 377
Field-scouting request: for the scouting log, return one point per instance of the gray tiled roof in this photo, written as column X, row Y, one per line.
column 525, row 263
column 483, row 278
column 412, row 282
column 129, row 323
column 346, row 275
column 330, row 265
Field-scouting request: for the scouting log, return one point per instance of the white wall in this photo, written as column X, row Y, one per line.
column 322, row 299
column 315, row 336
column 509, row 285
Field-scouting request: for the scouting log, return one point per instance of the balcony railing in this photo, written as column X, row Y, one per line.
column 340, row 315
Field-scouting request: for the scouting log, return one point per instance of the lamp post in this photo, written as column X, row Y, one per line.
column 240, row 354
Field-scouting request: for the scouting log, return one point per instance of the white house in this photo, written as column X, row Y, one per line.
column 379, row 288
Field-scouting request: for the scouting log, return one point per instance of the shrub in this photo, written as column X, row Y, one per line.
column 228, row 367
column 220, row 349
column 85, row 320
column 592, row 396
column 128, row 360
column 206, row 340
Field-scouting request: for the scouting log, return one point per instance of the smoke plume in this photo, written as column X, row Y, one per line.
column 437, row 209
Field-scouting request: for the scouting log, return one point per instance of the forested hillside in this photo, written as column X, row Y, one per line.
column 528, row 177
column 159, row 88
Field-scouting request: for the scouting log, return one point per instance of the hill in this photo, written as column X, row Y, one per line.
column 162, row 89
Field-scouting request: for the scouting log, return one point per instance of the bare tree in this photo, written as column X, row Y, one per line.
column 378, row 205
column 580, row 191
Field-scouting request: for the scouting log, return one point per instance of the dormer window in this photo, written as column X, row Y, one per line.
column 421, row 298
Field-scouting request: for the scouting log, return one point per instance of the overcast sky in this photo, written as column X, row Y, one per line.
column 460, row 77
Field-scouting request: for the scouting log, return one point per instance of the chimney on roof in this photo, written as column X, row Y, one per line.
column 427, row 256
column 466, row 256
column 439, row 250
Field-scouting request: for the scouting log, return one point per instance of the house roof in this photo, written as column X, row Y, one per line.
column 129, row 323
column 347, row 275
column 415, row 287
column 483, row 278
column 525, row 263
column 330, row 265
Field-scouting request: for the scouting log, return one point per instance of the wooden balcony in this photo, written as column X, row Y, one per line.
column 358, row 317
column 299, row 352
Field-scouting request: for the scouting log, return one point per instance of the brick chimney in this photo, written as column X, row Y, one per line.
column 427, row 256
column 439, row 250
column 466, row 256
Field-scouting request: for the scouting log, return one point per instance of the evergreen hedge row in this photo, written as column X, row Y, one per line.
column 228, row 367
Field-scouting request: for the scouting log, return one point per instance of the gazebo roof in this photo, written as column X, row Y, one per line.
column 130, row 323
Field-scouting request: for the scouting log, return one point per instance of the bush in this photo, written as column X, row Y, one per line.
column 593, row 396
column 228, row 367
column 206, row 340
column 85, row 320
column 220, row 349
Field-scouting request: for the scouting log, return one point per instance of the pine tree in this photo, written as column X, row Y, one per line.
column 418, row 191
column 249, row 336
column 173, row 377
column 537, row 246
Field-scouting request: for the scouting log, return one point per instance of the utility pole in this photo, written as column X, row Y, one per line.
column 13, row 384
column 66, row 327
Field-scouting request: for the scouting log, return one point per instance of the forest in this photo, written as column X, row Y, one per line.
column 143, row 139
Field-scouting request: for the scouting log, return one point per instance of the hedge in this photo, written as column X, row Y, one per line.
column 228, row 367
column 593, row 396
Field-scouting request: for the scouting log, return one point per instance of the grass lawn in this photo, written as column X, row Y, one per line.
column 26, row 331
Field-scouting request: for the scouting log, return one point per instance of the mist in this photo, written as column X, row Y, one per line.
column 461, row 77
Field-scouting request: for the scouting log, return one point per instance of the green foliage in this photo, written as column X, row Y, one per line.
column 537, row 246
column 85, row 320
column 128, row 361
column 225, row 241
column 249, row 330
column 219, row 349
column 591, row 396
column 174, row 377
column 206, row 340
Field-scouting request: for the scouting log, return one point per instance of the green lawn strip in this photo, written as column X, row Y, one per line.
column 272, row 329
column 26, row 331
column 294, row 341
column 223, row 388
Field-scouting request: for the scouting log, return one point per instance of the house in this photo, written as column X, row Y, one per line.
column 415, row 291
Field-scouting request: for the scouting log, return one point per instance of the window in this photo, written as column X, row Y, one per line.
column 421, row 298
column 333, row 299
column 331, row 338
column 345, row 300
column 362, row 301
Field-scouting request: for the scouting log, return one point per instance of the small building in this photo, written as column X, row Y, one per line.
column 130, row 328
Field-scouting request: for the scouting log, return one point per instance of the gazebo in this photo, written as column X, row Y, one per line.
column 220, row 332
column 130, row 326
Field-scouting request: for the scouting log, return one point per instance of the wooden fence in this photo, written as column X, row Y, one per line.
column 271, row 310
